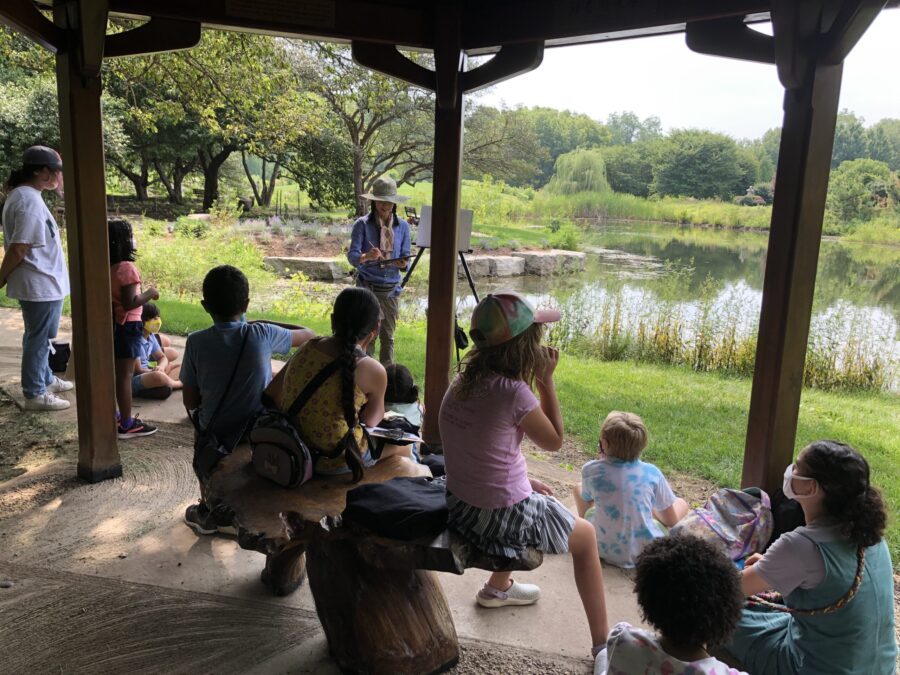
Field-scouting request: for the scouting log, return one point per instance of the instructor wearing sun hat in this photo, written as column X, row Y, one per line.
column 378, row 237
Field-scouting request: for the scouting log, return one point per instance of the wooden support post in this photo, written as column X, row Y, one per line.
column 804, row 162
column 449, row 60
column 810, row 42
column 85, row 189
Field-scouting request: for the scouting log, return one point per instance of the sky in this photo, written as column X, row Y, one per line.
column 661, row 76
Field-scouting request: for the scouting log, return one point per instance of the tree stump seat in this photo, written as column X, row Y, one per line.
column 380, row 603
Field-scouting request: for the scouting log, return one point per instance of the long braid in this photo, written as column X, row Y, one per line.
column 348, row 404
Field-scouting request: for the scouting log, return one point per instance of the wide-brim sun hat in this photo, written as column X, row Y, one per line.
column 41, row 155
column 504, row 315
column 384, row 189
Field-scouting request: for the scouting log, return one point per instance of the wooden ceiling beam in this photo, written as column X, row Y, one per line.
column 24, row 17
column 731, row 38
column 412, row 24
column 157, row 35
column 851, row 22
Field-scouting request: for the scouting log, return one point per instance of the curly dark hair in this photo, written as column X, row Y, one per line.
column 121, row 241
column 226, row 292
column 843, row 475
column 688, row 590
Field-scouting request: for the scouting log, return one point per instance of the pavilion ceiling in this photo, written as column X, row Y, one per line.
column 485, row 24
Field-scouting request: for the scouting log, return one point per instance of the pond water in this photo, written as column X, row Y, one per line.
column 711, row 279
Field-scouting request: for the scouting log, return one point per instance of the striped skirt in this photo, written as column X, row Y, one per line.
column 538, row 521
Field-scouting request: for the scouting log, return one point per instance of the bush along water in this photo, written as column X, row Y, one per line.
column 715, row 334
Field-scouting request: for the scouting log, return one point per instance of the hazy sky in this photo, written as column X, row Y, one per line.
column 661, row 76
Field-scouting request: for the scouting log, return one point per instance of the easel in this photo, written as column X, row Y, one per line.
column 465, row 266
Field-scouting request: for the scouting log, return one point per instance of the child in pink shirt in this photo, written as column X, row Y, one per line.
column 128, row 300
column 485, row 413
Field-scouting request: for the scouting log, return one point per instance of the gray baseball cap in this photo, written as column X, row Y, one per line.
column 41, row 155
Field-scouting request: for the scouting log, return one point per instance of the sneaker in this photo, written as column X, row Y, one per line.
column 202, row 520
column 199, row 518
column 46, row 401
column 517, row 594
column 137, row 428
column 59, row 385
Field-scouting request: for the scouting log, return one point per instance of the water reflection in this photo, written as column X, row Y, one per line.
column 656, row 268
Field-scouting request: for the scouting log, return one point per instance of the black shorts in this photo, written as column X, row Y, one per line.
column 127, row 339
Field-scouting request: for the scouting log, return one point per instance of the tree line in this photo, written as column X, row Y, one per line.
column 253, row 109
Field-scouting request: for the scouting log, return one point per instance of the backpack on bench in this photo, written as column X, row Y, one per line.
column 279, row 452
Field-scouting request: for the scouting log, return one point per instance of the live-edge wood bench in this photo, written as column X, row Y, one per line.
column 380, row 603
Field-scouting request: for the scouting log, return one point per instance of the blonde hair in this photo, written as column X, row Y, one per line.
column 625, row 435
column 517, row 359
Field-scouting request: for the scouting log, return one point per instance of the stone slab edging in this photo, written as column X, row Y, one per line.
column 517, row 263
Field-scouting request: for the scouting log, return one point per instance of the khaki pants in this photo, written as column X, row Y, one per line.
column 390, row 307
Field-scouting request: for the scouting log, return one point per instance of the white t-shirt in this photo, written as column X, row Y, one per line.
column 625, row 494
column 42, row 275
column 630, row 650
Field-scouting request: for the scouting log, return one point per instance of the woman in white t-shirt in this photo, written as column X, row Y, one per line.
column 34, row 271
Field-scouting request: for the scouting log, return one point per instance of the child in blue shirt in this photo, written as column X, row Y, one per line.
column 626, row 493
column 210, row 357
column 159, row 379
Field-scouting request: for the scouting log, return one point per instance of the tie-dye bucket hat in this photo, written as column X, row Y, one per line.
column 502, row 316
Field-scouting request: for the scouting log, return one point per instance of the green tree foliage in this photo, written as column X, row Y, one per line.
column 387, row 125
column 561, row 131
column 849, row 138
column 883, row 142
column 701, row 164
column 629, row 168
column 502, row 144
column 626, row 127
column 581, row 170
column 860, row 189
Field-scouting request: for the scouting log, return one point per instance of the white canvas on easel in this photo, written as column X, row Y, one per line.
column 463, row 235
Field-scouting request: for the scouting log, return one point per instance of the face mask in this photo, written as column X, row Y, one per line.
column 788, row 489
column 153, row 325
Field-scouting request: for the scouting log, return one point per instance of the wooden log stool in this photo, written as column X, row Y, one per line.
column 380, row 603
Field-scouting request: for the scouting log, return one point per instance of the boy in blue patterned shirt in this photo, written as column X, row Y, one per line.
column 628, row 496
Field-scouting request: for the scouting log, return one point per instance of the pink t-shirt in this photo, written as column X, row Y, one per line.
column 481, row 437
column 122, row 274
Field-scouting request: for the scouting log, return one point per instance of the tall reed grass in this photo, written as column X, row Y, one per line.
column 717, row 336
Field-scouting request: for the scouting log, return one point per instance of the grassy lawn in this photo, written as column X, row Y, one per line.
column 697, row 421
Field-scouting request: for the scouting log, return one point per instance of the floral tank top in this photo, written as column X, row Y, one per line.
column 321, row 420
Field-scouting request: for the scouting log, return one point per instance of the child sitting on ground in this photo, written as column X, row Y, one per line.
column 212, row 355
column 629, row 493
column 690, row 592
column 159, row 379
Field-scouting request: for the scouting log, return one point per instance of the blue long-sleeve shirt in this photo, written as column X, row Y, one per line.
column 365, row 236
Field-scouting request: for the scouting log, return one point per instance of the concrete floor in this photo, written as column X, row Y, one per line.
column 106, row 550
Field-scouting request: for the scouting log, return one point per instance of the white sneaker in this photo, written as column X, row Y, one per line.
column 59, row 385
column 46, row 401
column 517, row 594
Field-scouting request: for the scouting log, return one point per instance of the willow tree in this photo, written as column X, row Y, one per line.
column 579, row 171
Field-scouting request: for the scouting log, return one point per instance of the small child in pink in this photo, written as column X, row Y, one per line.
column 128, row 300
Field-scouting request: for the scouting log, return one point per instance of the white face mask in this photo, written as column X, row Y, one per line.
column 788, row 489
